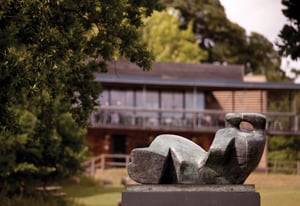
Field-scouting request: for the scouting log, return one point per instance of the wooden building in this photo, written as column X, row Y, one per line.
column 184, row 99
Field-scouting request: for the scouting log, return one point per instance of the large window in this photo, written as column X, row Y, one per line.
column 200, row 101
column 122, row 98
column 148, row 99
column 157, row 106
column 103, row 99
column 153, row 99
column 172, row 101
column 194, row 100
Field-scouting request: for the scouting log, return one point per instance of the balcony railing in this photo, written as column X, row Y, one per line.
column 183, row 119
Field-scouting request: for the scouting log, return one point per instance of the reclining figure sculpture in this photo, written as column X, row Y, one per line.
column 233, row 155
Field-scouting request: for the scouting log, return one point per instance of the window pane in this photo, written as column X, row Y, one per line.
column 189, row 100
column 139, row 98
column 194, row 101
column 152, row 102
column 128, row 98
column 116, row 97
column 151, row 99
column 172, row 101
column 104, row 98
column 200, row 101
column 189, row 104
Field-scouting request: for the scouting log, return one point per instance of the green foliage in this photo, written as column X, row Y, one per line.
column 263, row 57
column 167, row 42
column 49, row 51
column 37, row 200
column 223, row 40
column 226, row 41
column 284, row 148
column 290, row 33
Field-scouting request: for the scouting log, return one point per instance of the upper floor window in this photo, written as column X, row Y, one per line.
column 103, row 99
column 172, row 101
column 121, row 98
column 194, row 100
column 153, row 99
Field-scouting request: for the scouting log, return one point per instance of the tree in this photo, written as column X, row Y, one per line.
column 167, row 42
column 49, row 51
column 214, row 32
column 225, row 41
column 287, row 147
column 290, row 33
column 262, row 57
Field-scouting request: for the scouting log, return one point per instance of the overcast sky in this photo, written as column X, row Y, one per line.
column 262, row 16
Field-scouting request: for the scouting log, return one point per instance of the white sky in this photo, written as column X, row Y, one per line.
column 262, row 16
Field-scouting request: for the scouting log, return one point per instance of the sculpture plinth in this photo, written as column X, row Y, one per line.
column 190, row 195
column 199, row 177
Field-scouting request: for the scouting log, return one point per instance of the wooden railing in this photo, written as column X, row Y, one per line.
column 182, row 119
column 285, row 167
column 105, row 161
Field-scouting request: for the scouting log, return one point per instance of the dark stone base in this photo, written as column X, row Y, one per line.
column 190, row 195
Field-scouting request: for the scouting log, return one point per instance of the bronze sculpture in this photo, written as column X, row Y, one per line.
column 233, row 155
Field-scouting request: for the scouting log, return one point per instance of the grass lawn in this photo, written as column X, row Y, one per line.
column 277, row 189
column 103, row 199
column 279, row 197
column 274, row 189
column 92, row 193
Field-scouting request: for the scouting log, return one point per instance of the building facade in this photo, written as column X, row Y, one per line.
column 190, row 100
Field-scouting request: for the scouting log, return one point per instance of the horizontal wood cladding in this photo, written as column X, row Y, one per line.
column 242, row 101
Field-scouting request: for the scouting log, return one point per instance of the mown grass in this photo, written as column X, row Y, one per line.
column 274, row 189
column 277, row 189
column 88, row 192
column 92, row 192
column 95, row 195
column 111, row 198
column 35, row 200
column 279, row 197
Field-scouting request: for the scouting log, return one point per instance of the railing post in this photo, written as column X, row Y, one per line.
column 102, row 161
column 296, row 123
column 275, row 166
column 195, row 118
column 93, row 166
column 127, row 160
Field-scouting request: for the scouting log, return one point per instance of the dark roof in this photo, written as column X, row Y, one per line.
column 122, row 80
column 166, row 70
column 178, row 75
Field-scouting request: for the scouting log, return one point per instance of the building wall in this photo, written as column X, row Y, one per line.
column 101, row 141
column 243, row 100
column 111, row 140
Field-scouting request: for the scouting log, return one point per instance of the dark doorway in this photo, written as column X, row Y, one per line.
column 119, row 146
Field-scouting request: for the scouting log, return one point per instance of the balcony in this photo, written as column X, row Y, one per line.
column 278, row 123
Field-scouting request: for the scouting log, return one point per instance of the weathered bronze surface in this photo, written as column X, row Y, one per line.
column 233, row 155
